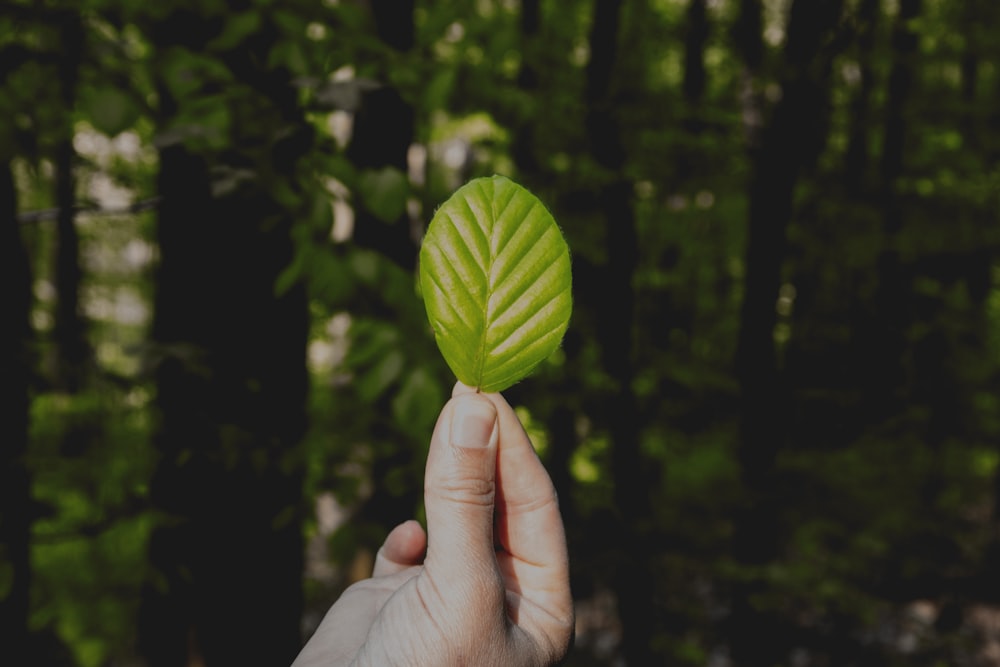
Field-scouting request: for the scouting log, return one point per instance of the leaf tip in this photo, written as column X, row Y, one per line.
column 494, row 265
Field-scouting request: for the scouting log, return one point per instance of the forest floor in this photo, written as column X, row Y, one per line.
column 908, row 633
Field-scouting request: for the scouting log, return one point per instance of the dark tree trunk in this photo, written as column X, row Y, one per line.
column 695, row 39
column 884, row 337
column 856, row 161
column 523, row 146
column 748, row 38
column 227, row 556
column 907, row 368
column 381, row 137
column 636, row 602
column 231, row 394
column 688, row 159
column 167, row 620
column 970, row 64
column 905, row 42
column 563, row 442
column 68, row 329
column 562, row 421
column 382, row 134
column 748, row 34
column 616, row 333
column 603, row 130
column 15, row 369
column 788, row 143
column 394, row 22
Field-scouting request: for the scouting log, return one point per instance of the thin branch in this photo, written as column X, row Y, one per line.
column 44, row 214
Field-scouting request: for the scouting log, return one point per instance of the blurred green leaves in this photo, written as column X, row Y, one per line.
column 383, row 193
column 865, row 495
column 91, row 472
column 419, row 400
column 109, row 109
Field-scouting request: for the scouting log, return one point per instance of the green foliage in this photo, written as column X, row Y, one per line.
column 110, row 110
column 91, row 472
column 496, row 279
column 384, row 193
column 882, row 491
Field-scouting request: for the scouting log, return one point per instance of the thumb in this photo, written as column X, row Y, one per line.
column 460, row 484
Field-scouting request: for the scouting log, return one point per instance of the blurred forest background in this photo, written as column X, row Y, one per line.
column 774, row 420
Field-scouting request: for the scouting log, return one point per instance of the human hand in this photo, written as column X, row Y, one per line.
column 488, row 584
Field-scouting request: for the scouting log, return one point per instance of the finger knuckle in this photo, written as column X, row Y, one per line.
column 468, row 490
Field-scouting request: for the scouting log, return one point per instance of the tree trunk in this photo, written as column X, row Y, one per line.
column 562, row 420
column 231, row 381
column 788, row 143
column 68, row 328
column 382, row 134
column 563, row 443
column 523, row 145
column 856, row 161
column 696, row 37
column 689, row 160
column 381, row 137
column 884, row 337
column 231, row 394
column 748, row 38
column 15, row 373
column 970, row 66
column 905, row 42
column 616, row 333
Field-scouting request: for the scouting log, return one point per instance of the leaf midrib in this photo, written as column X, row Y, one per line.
column 498, row 236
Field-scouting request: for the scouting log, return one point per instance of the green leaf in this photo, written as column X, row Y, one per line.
column 238, row 28
column 418, row 401
column 109, row 109
column 374, row 381
column 497, row 284
column 384, row 193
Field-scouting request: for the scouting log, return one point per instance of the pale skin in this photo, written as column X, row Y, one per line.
column 487, row 584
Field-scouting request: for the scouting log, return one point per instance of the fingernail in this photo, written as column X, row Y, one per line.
column 473, row 423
